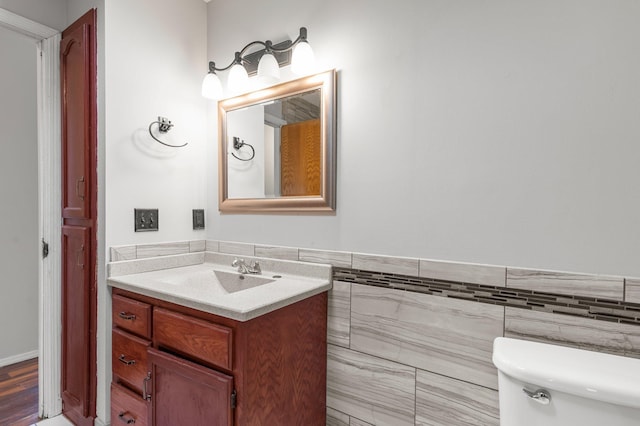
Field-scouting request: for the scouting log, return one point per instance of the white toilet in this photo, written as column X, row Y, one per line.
column 547, row 385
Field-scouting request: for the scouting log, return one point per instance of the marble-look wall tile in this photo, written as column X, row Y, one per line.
column 601, row 286
column 334, row 258
column 123, row 253
column 632, row 290
column 336, row 418
column 566, row 330
column 242, row 249
column 358, row 422
column 391, row 265
column 212, row 245
column 161, row 249
column 464, row 272
column 372, row 389
column 339, row 314
column 138, row 266
column 447, row 336
column 275, row 252
column 442, row 401
column 197, row 245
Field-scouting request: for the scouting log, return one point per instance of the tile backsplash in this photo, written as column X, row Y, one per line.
column 410, row 340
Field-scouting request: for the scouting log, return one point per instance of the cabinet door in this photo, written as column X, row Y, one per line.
column 76, row 333
column 76, row 74
column 184, row 393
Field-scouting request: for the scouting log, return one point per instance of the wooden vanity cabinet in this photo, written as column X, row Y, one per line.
column 205, row 369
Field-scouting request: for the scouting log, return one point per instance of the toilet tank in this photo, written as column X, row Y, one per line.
column 547, row 385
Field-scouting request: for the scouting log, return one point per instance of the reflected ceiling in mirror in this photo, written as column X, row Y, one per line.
column 277, row 148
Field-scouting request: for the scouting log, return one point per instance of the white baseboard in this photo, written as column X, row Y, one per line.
column 18, row 358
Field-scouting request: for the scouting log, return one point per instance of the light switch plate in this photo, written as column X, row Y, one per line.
column 145, row 220
column 198, row 218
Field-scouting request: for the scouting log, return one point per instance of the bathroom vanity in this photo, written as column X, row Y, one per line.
column 174, row 364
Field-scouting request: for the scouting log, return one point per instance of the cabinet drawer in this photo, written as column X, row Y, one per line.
column 129, row 359
column 127, row 407
column 131, row 315
column 192, row 337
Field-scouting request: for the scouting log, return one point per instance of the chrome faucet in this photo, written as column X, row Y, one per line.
column 243, row 268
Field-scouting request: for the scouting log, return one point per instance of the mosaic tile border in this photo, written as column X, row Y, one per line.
column 586, row 307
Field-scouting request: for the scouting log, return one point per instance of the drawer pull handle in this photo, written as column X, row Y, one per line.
column 80, row 193
column 123, row 359
column 127, row 316
column 126, row 420
column 145, row 395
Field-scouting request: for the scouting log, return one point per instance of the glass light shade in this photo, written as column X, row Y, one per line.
column 303, row 60
column 211, row 86
column 238, row 80
column 268, row 69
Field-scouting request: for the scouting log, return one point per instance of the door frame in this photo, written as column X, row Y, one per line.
column 49, row 195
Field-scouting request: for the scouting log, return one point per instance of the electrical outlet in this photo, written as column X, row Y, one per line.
column 198, row 218
column 145, row 220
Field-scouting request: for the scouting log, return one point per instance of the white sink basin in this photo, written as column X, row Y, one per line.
column 212, row 280
column 234, row 281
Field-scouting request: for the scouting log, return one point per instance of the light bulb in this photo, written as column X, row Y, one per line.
column 211, row 86
column 303, row 59
column 268, row 69
column 238, row 79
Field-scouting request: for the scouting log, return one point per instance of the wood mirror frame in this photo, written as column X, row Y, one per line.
column 325, row 202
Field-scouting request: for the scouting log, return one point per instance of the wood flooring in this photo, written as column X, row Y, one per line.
column 19, row 393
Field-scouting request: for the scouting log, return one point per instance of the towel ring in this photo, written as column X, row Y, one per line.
column 237, row 144
column 164, row 125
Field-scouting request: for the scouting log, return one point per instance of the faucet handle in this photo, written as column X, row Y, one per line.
column 237, row 262
column 256, row 267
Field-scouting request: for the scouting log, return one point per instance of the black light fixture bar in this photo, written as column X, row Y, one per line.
column 281, row 51
column 251, row 60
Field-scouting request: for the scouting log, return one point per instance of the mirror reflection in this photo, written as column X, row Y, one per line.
column 274, row 148
column 277, row 148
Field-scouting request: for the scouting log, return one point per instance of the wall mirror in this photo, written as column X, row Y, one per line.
column 277, row 148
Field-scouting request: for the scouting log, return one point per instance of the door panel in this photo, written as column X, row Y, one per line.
column 76, row 122
column 184, row 393
column 75, row 309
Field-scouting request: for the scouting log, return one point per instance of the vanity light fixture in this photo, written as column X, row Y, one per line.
column 265, row 62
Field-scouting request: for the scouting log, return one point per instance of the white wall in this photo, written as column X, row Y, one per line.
column 155, row 62
column 52, row 13
column 19, row 245
column 490, row 131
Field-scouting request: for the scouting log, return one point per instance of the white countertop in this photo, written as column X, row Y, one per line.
column 189, row 280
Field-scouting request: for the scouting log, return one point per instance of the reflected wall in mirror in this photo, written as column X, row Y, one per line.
column 277, row 148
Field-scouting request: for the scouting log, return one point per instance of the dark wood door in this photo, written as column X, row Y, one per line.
column 184, row 393
column 300, row 159
column 79, row 214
